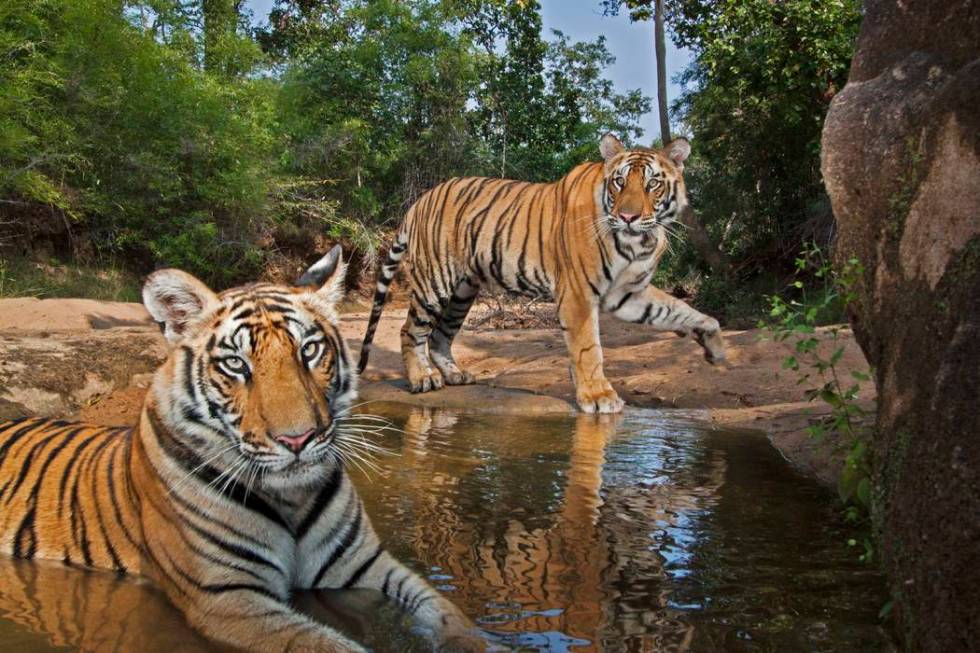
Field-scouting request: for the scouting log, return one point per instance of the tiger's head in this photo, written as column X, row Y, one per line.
column 642, row 189
column 258, row 376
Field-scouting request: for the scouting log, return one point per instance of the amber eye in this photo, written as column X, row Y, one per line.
column 234, row 365
column 311, row 350
column 618, row 182
column 654, row 185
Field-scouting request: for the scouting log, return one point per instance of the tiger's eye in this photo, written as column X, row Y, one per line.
column 310, row 350
column 234, row 364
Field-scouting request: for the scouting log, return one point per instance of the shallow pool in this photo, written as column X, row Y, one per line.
column 641, row 532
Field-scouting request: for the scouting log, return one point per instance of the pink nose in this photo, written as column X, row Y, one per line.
column 295, row 443
column 629, row 217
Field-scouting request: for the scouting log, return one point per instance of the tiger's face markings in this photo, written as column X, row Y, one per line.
column 259, row 374
column 642, row 189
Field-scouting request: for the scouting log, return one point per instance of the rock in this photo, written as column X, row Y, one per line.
column 901, row 160
column 55, row 374
column 475, row 398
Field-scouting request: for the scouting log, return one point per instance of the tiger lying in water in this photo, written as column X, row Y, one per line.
column 590, row 241
column 231, row 492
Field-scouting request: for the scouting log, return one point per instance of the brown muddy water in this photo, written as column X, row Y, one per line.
column 641, row 532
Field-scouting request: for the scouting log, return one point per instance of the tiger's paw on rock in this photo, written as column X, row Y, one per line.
column 458, row 377
column 598, row 398
column 426, row 382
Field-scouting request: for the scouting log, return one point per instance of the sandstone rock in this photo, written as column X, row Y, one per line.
column 55, row 374
column 901, row 160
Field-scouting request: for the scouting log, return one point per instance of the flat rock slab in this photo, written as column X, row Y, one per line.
column 477, row 398
column 58, row 373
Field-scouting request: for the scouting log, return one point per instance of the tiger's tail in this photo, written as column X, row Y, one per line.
column 386, row 272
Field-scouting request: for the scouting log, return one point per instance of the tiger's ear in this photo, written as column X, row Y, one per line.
column 610, row 146
column 327, row 273
column 677, row 151
column 177, row 300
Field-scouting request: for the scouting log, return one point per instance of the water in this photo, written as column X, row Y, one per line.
column 642, row 532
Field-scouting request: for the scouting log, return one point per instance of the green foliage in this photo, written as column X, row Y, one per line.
column 816, row 360
column 155, row 158
column 172, row 133
column 762, row 80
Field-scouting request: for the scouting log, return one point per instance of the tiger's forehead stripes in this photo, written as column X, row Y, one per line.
column 260, row 312
column 647, row 162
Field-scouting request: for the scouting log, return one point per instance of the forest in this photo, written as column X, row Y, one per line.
column 194, row 134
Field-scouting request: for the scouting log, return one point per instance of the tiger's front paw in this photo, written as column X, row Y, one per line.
column 598, row 397
column 712, row 342
column 455, row 375
column 426, row 381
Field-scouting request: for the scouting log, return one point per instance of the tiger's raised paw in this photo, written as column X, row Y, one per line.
column 426, row 382
column 598, row 398
column 713, row 344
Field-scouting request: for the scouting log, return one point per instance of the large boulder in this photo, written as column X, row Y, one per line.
column 901, row 160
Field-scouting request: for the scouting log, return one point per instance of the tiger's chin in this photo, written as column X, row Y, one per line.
column 300, row 474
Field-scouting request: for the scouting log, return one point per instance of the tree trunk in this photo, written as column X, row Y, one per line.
column 661, row 47
column 901, row 160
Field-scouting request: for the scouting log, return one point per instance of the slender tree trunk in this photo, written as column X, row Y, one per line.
column 661, row 47
column 696, row 232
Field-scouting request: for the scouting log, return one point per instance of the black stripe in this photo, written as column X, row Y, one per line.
column 623, row 301
column 646, row 314
column 323, row 499
column 26, row 530
column 341, row 548
column 356, row 576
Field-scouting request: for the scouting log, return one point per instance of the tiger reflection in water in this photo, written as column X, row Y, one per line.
column 546, row 557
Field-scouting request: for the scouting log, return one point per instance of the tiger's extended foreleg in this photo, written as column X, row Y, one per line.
column 579, row 319
column 441, row 340
column 229, row 602
column 374, row 568
column 649, row 305
column 251, row 621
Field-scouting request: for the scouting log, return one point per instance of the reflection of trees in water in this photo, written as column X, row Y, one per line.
column 92, row 610
column 520, row 520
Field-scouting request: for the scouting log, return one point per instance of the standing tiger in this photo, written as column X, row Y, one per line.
column 590, row 241
column 231, row 492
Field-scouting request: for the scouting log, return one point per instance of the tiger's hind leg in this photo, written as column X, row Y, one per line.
column 422, row 318
column 441, row 340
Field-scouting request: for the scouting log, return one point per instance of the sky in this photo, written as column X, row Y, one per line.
column 630, row 43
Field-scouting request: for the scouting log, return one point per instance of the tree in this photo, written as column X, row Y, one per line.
column 760, row 85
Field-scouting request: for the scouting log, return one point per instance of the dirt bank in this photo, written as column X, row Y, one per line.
column 517, row 370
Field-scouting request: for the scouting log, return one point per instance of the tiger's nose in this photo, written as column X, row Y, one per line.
column 295, row 443
column 628, row 217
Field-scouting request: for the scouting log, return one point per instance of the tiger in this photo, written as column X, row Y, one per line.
column 231, row 492
column 589, row 241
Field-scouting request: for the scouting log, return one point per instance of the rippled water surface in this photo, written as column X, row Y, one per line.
column 642, row 532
